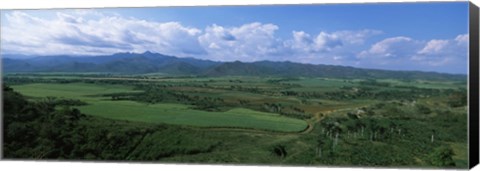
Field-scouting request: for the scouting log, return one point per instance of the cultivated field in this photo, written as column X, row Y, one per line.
column 246, row 119
column 158, row 113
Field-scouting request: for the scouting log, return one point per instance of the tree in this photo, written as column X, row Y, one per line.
column 442, row 156
column 320, row 142
column 423, row 109
column 371, row 125
column 280, row 151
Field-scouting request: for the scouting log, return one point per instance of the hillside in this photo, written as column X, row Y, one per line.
column 134, row 63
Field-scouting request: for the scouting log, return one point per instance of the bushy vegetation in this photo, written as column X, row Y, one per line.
column 243, row 120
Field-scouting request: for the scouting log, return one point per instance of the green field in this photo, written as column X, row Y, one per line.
column 237, row 120
column 80, row 91
column 159, row 113
column 183, row 115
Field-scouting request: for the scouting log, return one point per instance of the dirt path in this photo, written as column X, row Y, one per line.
column 317, row 117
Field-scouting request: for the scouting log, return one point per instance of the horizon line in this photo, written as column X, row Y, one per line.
column 232, row 61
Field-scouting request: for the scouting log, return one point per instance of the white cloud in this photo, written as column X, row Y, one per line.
column 394, row 47
column 408, row 53
column 442, row 52
column 93, row 33
column 248, row 42
column 302, row 41
column 462, row 39
column 338, row 48
column 356, row 37
column 434, row 46
column 326, row 42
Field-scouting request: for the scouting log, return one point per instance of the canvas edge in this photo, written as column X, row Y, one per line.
column 473, row 86
column 473, row 81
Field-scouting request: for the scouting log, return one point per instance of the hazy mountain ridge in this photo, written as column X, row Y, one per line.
column 135, row 63
column 118, row 63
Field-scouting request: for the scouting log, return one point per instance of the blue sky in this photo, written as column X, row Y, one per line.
column 448, row 18
column 397, row 36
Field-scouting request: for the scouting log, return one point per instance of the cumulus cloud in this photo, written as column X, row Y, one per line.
column 92, row 33
column 302, row 41
column 325, row 42
column 82, row 34
column 446, row 55
column 338, row 47
column 434, row 47
column 462, row 39
column 89, row 32
column 443, row 52
column 391, row 48
column 248, row 42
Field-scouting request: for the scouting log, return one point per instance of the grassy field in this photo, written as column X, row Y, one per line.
column 255, row 120
column 159, row 113
column 183, row 115
column 81, row 91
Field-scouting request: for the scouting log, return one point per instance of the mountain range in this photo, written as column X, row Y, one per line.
column 148, row 62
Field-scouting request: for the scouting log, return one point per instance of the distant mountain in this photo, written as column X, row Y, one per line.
column 16, row 65
column 290, row 69
column 130, row 63
column 148, row 62
column 285, row 69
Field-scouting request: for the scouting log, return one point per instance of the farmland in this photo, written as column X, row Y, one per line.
column 158, row 113
column 240, row 119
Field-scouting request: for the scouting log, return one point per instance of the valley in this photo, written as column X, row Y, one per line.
column 244, row 119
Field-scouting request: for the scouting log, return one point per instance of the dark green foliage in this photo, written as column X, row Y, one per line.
column 373, row 82
column 379, row 94
column 280, row 151
column 170, row 142
column 458, row 98
column 377, row 154
column 45, row 132
column 49, row 133
column 380, row 141
column 12, row 103
column 442, row 157
column 423, row 109
column 351, row 122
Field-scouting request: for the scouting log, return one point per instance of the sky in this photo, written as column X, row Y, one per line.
column 393, row 36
